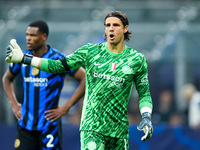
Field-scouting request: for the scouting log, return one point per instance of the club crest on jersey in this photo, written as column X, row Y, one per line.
column 35, row 71
column 17, row 143
column 91, row 145
column 113, row 66
column 126, row 69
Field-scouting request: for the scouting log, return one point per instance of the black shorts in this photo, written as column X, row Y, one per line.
column 50, row 138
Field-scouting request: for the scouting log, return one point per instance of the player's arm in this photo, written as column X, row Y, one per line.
column 8, row 85
column 145, row 101
column 80, row 91
column 14, row 54
column 54, row 114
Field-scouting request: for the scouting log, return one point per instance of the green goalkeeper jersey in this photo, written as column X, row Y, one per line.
column 109, row 81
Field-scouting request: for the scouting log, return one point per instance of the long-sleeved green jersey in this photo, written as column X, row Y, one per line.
column 109, row 81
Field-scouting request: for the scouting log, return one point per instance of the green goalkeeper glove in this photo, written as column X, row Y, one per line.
column 14, row 54
column 146, row 126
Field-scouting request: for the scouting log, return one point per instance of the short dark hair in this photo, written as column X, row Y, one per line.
column 42, row 25
column 124, row 19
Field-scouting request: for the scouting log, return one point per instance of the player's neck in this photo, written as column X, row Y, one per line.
column 119, row 48
column 41, row 51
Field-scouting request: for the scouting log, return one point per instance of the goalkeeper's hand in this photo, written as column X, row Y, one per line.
column 146, row 126
column 14, row 53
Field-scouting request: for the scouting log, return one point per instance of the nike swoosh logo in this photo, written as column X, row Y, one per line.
column 96, row 64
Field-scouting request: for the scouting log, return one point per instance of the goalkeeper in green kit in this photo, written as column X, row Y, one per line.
column 112, row 68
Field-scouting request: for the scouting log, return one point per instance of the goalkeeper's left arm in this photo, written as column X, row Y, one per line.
column 146, row 124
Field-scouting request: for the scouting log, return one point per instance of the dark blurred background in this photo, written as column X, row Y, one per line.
column 167, row 32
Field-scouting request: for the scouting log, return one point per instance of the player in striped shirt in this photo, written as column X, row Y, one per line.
column 41, row 94
column 112, row 69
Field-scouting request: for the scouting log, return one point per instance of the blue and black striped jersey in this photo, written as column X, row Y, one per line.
column 41, row 91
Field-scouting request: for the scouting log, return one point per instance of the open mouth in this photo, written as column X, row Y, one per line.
column 111, row 36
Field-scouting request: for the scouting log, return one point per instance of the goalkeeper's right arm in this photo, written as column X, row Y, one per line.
column 14, row 54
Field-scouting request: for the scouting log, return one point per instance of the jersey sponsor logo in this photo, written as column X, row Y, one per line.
column 37, row 81
column 108, row 77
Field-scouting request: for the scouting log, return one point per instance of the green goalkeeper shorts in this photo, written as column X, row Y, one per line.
column 91, row 140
